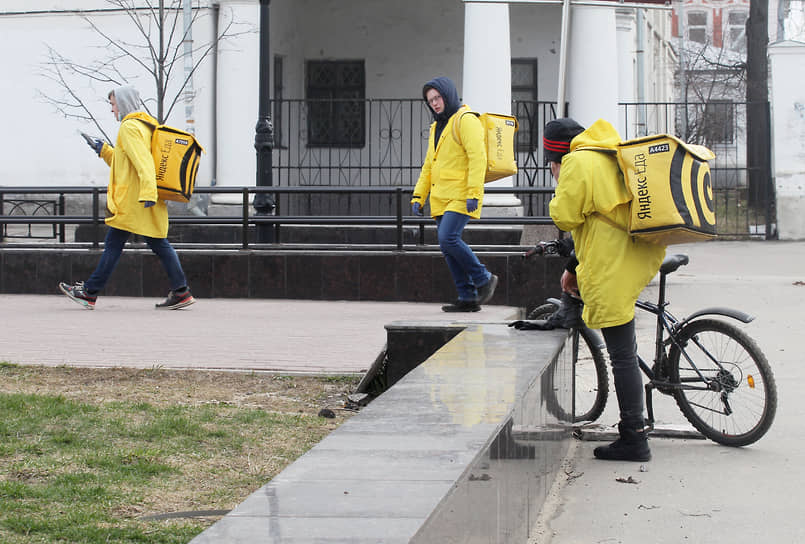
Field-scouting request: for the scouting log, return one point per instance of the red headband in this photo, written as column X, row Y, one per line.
column 554, row 145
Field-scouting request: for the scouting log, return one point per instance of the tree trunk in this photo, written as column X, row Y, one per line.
column 757, row 109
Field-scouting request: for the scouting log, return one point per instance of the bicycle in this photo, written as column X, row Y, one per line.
column 719, row 377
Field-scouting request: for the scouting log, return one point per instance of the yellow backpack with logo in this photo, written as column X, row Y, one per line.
column 671, row 188
column 176, row 156
column 499, row 132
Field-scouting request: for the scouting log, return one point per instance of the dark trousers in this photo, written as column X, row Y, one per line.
column 467, row 271
column 622, row 347
column 113, row 249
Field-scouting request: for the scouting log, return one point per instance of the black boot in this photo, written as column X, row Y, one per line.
column 567, row 316
column 569, row 313
column 631, row 446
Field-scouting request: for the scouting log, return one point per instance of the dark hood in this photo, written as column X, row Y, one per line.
column 447, row 89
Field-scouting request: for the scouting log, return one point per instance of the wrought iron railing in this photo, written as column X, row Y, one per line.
column 255, row 230
column 365, row 175
column 382, row 144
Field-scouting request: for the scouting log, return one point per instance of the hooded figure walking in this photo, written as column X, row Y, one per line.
column 452, row 176
column 132, row 204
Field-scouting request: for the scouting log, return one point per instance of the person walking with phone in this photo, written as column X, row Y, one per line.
column 132, row 204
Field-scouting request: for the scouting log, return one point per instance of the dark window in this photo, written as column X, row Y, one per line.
column 278, row 96
column 524, row 97
column 335, row 102
column 719, row 122
column 698, row 26
column 736, row 30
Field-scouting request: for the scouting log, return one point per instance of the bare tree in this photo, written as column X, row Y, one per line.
column 711, row 78
column 159, row 53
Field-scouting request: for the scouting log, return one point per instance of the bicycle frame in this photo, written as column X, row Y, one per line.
column 699, row 361
column 666, row 333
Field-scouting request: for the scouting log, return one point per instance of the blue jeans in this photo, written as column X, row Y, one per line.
column 113, row 249
column 621, row 344
column 467, row 271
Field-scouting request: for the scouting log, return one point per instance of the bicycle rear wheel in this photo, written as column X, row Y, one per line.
column 591, row 382
column 737, row 404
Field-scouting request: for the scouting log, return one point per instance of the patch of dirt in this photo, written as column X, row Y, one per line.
column 162, row 387
column 225, row 480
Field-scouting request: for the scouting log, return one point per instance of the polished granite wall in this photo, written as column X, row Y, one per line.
column 462, row 449
column 326, row 275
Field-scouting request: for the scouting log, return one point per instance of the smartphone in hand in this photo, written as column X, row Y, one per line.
column 89, row 139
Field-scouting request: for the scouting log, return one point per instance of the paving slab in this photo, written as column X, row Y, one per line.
column 695, row 490
column 228, row 334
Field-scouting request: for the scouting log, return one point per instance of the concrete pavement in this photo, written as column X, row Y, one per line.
column 691, row 491
column 695, row 490
column 231, row 334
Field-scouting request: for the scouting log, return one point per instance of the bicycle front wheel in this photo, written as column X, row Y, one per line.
column 590, row 379
column 726, row 390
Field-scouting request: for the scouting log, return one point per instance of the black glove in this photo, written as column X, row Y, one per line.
column 536, row 325
column 95, row 143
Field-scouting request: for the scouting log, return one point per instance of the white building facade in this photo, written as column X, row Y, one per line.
column 384, row 49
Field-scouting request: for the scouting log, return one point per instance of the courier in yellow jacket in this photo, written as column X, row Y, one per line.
column 591, row 201
column 452, row 177
column 132, row 204
column 132, row 180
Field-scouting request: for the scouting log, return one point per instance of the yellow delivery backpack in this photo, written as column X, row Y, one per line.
column 499, row 132
column 176, row 156
column 671, row 188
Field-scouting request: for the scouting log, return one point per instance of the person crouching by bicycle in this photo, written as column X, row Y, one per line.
column 591, row 202
column 132, row 204
column 452, row 176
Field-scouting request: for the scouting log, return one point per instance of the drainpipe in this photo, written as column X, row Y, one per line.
column 641, row 70
column 216, row 13
column 187, row 11
column 560, row 93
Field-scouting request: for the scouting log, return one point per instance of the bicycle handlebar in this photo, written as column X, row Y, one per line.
column 563, row 248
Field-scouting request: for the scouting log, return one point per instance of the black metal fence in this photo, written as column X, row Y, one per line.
column 356, row 162
column 381, row 144
column 252, row 229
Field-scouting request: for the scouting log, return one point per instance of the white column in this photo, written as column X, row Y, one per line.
column 627, row 67
column 487, row 79
column 238, row 74
column 788, row 137
column 592, row 86
column 487, row 57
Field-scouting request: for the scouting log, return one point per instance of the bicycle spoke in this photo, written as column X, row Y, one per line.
column 724, row 391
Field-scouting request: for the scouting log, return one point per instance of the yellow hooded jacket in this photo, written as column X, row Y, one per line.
column 452, row 173
column 132, row 180
column 590, row 196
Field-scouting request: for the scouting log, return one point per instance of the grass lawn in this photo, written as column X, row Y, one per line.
column 87, row 455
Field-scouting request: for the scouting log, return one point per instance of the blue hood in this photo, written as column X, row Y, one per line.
column 447, row 89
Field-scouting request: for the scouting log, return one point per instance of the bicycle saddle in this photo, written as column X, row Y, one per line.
column 672, row 262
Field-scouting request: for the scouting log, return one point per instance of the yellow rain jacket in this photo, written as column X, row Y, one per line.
column 452, row 173
column 590, row 196
column 132, row 180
